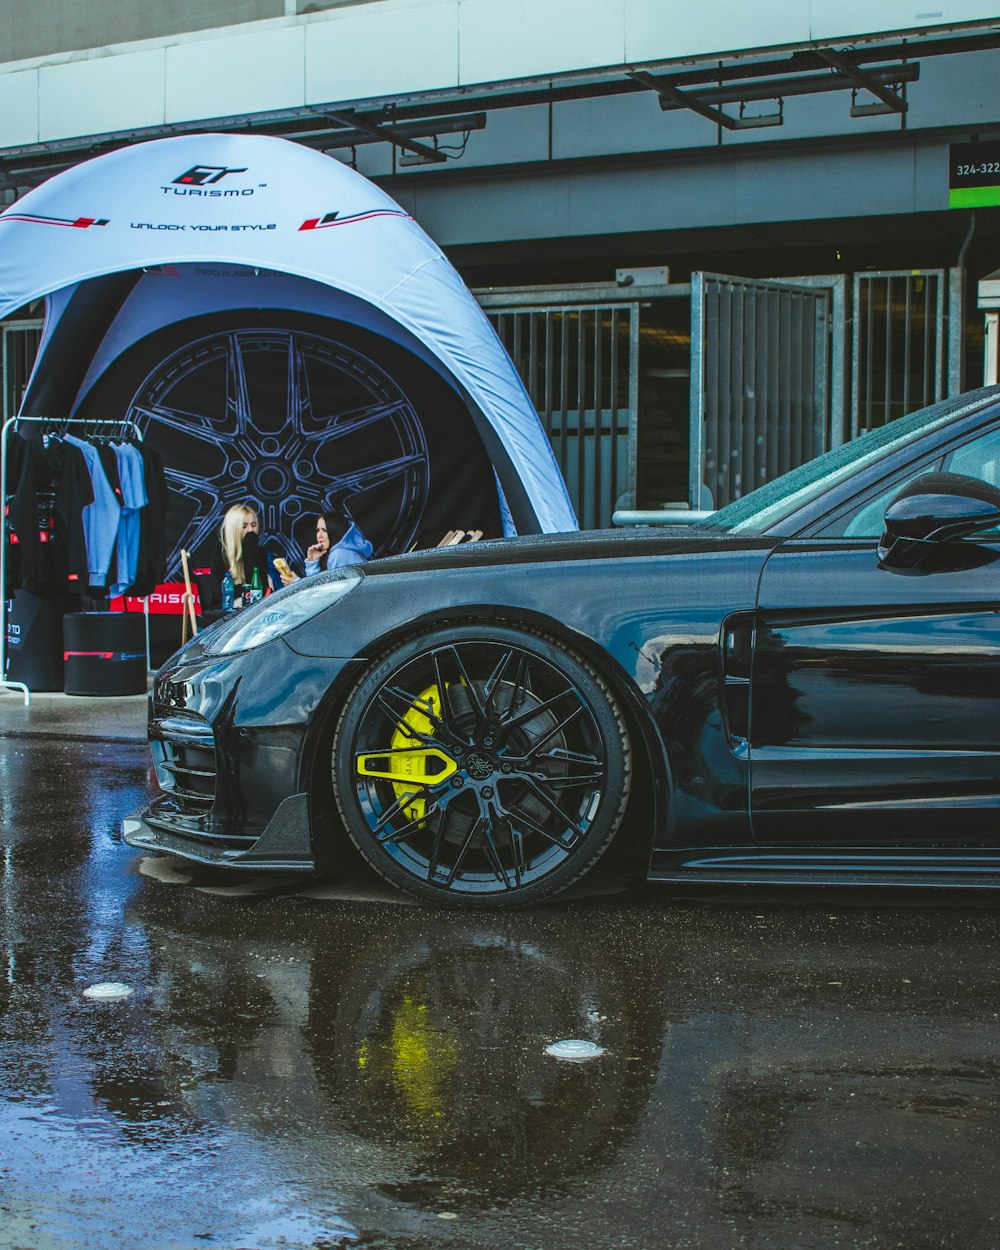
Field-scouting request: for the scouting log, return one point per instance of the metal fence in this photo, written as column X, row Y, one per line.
column 580, row 368
column 898, row 344
column 760, row 382
column 20, row 345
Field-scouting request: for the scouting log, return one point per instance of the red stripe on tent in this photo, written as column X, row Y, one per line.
column 37, row 221
column 313, row 223
column 103, row 655
column 80, row 222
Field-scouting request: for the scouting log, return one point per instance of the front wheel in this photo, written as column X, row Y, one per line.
column 481, row 766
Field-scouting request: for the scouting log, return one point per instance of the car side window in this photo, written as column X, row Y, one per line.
column 866, row 521
column 980, row 457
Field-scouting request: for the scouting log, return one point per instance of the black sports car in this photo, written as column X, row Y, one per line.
column 804, row 687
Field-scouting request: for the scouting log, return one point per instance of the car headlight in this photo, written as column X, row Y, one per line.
column 284, row 610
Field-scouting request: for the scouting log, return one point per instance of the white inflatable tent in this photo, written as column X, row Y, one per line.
column 270, row 204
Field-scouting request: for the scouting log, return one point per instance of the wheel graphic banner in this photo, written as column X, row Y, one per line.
column 298, row 416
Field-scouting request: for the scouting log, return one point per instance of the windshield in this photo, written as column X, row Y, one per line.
column 770, row 504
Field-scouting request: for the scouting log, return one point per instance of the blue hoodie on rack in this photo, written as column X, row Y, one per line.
column 100, row 518
column 132, row 473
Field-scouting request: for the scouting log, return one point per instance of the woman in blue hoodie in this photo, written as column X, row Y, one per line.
column 338, row 542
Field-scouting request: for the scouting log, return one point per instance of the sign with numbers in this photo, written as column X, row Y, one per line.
column 974, row 174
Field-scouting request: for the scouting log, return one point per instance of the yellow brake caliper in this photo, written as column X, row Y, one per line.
column 406, row 765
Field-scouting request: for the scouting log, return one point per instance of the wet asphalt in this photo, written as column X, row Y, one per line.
column 317, row 1064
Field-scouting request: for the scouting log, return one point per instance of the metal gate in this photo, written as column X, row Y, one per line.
column 20, row 346
column 899, row 344
column 579, row 364
column 766, row 382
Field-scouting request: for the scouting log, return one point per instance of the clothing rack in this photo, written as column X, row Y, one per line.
column 124, row 424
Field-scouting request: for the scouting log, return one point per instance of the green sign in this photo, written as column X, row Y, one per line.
column 974, row 174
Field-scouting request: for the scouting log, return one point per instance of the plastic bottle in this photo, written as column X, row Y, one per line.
column 256, row 588
column 228, row 592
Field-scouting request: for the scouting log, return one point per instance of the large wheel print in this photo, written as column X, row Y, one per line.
column 291, row 422
column 481, row 767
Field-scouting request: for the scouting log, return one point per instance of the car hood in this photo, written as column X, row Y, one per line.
column 578, row 545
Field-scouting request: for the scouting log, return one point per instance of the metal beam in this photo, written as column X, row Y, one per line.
column 390, row 135
column 684, row 100
column 783, row 88
column 319, row 134
column 743, row 79
column 861, row 78
column 794, row 68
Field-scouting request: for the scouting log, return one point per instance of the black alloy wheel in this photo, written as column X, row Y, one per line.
column 481, row 767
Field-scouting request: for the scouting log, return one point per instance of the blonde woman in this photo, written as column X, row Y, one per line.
column 239, row 553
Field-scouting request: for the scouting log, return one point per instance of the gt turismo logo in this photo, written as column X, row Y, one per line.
column 204, row 175
column 201, row 180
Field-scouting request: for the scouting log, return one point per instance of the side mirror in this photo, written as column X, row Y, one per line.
column 935, row 508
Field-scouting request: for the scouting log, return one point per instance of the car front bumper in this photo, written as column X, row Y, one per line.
column 231, row 739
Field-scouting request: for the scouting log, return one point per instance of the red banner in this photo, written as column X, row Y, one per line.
column 166, row 600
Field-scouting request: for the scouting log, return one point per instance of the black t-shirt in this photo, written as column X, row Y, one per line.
column 210, row 587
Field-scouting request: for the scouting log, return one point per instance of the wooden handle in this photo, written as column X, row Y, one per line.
column 188, row 598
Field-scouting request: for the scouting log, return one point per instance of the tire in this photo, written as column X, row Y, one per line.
column 501, row 792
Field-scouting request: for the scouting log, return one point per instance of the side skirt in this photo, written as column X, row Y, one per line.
column 847, row 866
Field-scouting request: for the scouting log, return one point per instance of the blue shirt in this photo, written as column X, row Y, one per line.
column 100, row 518
column 130, row 470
